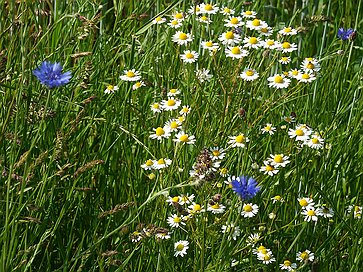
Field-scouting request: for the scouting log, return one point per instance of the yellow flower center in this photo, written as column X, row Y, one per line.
column 299, row 132
column 260, row 248
column 234, row 21
column 256, row 22
column 177, row 219
column 309, row 59
column 216, row 153
column 303, row 202
column 248, row 12
column 270, row 42
column 178, row 16
column 181, row 119
column 240, row 139
column 287, row 263
column 236, row 50
column 227, row 10
column 278, row 198
column 183, row 36
column 158, row 19
column 197, row 207
column 248, row 208
column 305, row 76
column 209, row 44
column 156, row 106
column 208, row 7
column 264, row 29
column 253, row 40
column 285, row 59
column 311, row 213
column 204, row 18
column 184, row 138
column 130, row 74
column 173, row 91
column 295, row 72
column 175, row 199
column 278, row 159
column 310, row 65
column 315, row 140
column 268, row 128
column 287, row 30
column 286, row 45
column 159, row 131
column 279, row 79
column 189, row 55
column 138, row 84
column 149, row 163
column 229, row 35
column 215, row 206
column 250, row 73
column 161, row 161
column 174, row 22
column 171, row 102
column 224, row 171
column 304, row 255
column 110, row 87
column 180, row 247
column 267, row 257
column 269, row 168
column 152, row 176
column 174, row 125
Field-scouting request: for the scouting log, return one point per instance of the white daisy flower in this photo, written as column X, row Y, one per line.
column 238, row 141
column 271, row 44
column 160, row 133
column 256, row 24
column 249, row 14
column 300, row 133
column 304, row 256
column 226, row 11
column 111, row 89
column 175, row 24
column 266, row 31
column 182, row 38
column 285, row 60
column 171, row 104
column 182, row 137
column 194, row 10
column 268, row 128
column 279, row 160
column 185, row 110
column 249, row 74
column 203, row 75
column 310, row 65
column 236, row 52
column 305, row 77
column 216, row 208
column 210, row 45
column 229, row 38
column 287, row 47
column 130, row 75
column 173, row 92
column 288, row 31
column 156, row 107
column 138, row 84
column 180, row 248
column 158, row 20
column 311, row 214
column 217, row 153
column 249, row 210
column 162, row 163
column 294, row 73
column 204, row 19
column 315, row 141
column 269, row 169
column 278, row 81
column 232, row 231
column 234, row 22
column 306, row 203
column 173, row 125
column 287, row 265
column 148, row 165
column 175, row 221
column 252, row 42
column 208, row 8
column 179, row 15
column 189, row 56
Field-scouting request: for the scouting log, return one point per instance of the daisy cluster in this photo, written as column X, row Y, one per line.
column 244, row 35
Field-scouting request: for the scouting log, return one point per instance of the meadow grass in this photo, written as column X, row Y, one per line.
column 73, row 194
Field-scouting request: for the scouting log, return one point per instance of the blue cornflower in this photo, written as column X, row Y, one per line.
column 50, row 74
column 246, row 187
column 345, row 34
